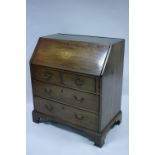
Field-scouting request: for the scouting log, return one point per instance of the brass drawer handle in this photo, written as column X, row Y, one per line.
column 47, row 75
column 79, row 82
column 79, row 117
column 78, row 99
column 49, row 108
column 48, row 91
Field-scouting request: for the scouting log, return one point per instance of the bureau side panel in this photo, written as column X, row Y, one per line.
column 111, row 85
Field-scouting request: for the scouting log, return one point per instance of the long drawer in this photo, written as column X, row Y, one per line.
column 67, row 79
column 66, row 113
column 72, row 97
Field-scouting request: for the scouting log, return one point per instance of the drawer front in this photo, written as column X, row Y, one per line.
column 79, row 82
column 45, row 74
column 66, row 113
column 67, row 96
column 63, row 78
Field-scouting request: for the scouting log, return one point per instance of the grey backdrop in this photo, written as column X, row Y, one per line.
column 91, row 17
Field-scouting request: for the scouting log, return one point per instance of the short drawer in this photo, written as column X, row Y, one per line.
column 45, row 74
column 66, row 113
column 63, row 78
column 79, row 82
column 72, row 97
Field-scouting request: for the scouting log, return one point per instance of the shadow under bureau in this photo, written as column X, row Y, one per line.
column 77, row 81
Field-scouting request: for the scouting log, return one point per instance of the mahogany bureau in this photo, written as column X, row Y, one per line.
column 77, row 81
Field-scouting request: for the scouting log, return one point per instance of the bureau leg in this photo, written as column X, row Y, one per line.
column 99, row 140
column 118, row 119
column 35, row 117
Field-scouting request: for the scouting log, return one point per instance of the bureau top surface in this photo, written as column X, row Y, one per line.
column 83, row 54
